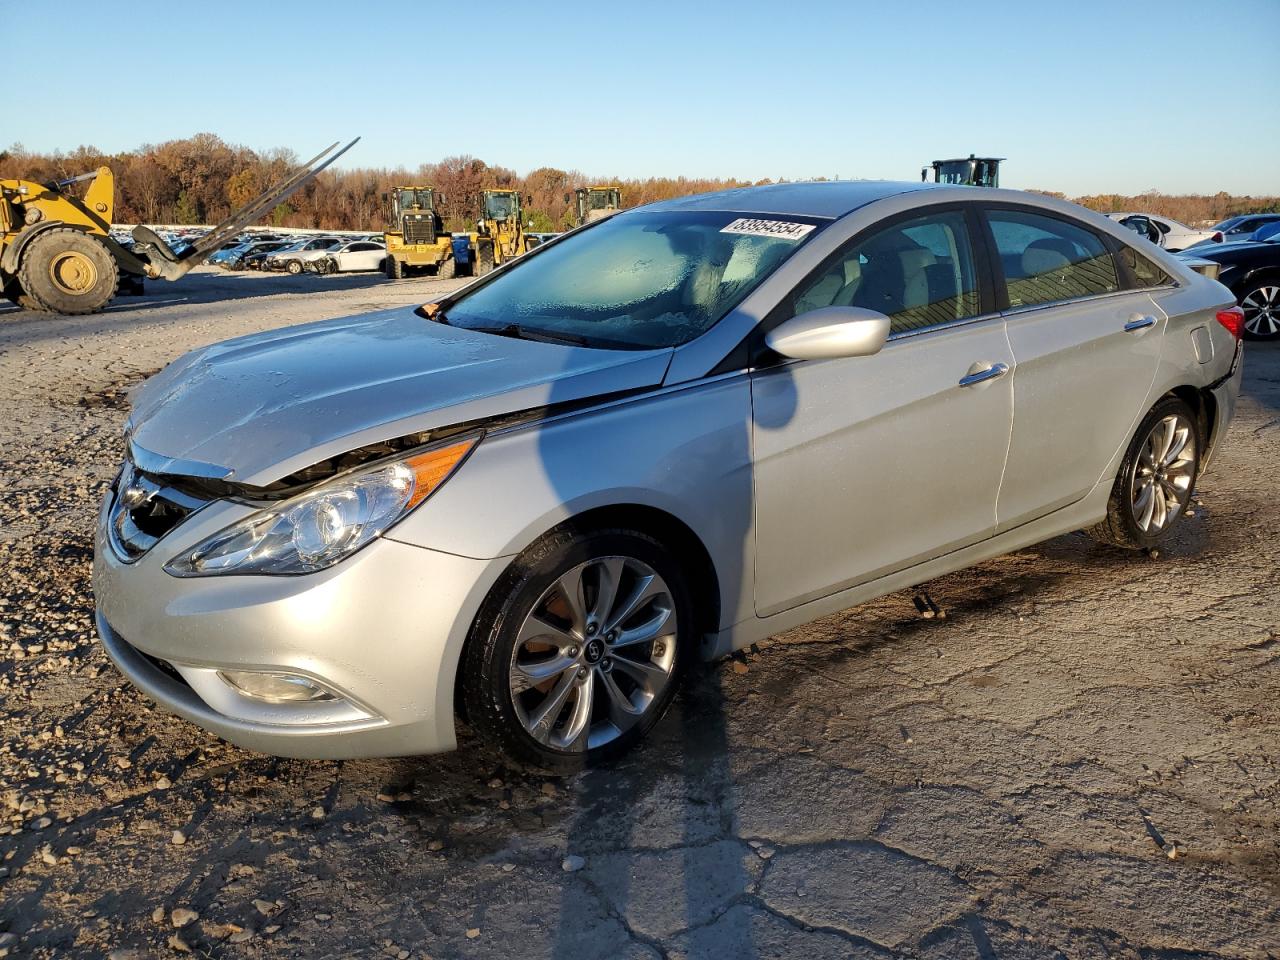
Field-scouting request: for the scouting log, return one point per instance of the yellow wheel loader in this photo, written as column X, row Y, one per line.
column 592, row 203
column 418, row 239
column 57, row 253
column 499, row 230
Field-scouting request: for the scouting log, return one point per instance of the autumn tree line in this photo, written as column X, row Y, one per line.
column 202, row 179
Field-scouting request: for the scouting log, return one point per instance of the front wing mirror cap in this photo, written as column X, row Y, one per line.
column 830, row 332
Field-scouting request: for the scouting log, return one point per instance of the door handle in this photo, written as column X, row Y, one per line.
column 992, row 372
column 1140, row 323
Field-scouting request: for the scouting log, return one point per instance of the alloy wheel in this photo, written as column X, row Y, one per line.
column 1262, row 311
column 1163, row 473
column 594, row 654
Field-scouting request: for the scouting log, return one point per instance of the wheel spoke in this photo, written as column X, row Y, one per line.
column 570, row 587
column 608, row 578
column 646, row 631
column 536, row 628
column 541, row 721
column 1161, row 512
column 648, row 675
column 580, row 717
column 525, row 676
column 646, row 589
column 1178, row 442
column 1144, row 505
column 622, row 713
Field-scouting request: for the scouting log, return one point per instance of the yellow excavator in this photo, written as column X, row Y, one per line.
column 56, row 250
column 499, row 229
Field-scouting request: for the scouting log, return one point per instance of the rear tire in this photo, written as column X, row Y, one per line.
column 447, row 269
column 68, row 271
column 598, row 659
column 1156, row 478
column 395, row 268
column 294, row 267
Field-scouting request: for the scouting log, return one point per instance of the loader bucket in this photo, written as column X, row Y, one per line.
column 163, row 262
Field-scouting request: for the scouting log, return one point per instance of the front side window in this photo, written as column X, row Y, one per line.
column 1048, row 260
column 637, row 280
column 918, row 272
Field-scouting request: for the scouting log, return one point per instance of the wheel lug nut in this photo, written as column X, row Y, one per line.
column 591, row 629
column 613, row 636
column 573, row 651
column 582, row 674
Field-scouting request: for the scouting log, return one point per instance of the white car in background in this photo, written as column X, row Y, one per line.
column 1165, row 232
column 295, row 258
column 351, row 256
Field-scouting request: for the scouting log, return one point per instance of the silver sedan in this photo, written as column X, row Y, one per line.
column 662, row 436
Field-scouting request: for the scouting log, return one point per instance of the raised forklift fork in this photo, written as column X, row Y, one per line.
column 161, row 261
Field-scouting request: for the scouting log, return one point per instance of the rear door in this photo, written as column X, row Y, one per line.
column 866, row 465
column 1086, row 353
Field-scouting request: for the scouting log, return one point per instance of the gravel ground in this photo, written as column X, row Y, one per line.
column 1080, row 760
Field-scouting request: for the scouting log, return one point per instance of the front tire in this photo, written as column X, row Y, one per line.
column 447, row 269
column 395, row 268
column 1261, row 306
column 578, row 649
column 1156, row 479
column 68, row 271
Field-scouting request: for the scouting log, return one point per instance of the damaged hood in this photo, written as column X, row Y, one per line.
column 255, row 409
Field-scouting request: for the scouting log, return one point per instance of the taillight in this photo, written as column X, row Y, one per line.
column 1217, row 237
column 1233, row 320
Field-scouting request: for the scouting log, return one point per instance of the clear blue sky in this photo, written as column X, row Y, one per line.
column 1082, row 97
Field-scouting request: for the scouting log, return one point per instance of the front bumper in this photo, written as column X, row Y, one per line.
column 384, row 630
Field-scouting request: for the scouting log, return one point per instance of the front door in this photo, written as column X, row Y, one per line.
column 867, row 465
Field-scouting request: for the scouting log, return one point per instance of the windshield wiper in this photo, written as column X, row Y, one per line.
column 517, row 332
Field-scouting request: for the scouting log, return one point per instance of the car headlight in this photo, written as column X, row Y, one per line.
column 328, row 523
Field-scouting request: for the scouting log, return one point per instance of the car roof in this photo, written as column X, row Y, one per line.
column 822, row 198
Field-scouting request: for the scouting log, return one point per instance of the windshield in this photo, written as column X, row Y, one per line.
column 600, row 199
column 499, row 206
column 638, row 280
column 409, row 197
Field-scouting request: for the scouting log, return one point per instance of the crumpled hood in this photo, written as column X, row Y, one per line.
column 257, row 408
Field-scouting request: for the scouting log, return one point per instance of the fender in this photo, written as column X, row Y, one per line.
column 12, row 255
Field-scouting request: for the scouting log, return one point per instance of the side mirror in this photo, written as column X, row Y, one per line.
column 830, row 332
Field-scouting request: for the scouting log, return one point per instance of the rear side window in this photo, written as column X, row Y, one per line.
column 1047, row 260
column 1145, row 273
column 919, row 272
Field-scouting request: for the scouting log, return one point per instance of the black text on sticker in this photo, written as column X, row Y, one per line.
column 782, row 229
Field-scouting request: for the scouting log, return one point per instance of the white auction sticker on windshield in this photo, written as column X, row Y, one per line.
column 782, row 229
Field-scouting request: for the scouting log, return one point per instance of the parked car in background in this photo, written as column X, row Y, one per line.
column 666, row 435
column 1251, row 271
column 295, row 257
column 258, row 250
column 351, row 256
column 1236, row 229
column 1163, row 231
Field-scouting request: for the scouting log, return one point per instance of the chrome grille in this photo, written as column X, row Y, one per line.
column 143, row 509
